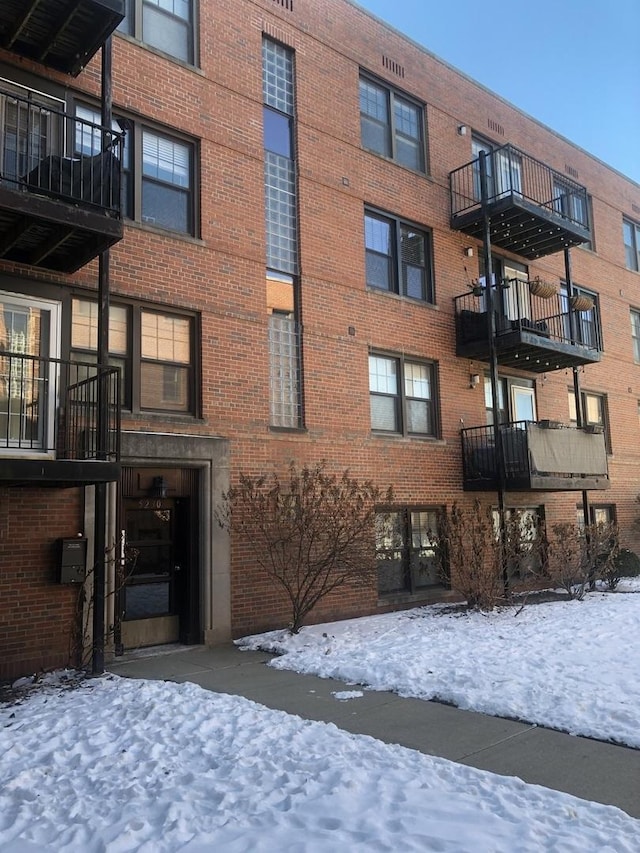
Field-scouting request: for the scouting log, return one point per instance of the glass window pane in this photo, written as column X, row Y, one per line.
column 84, row 326
column 383, row 375
column 419, row 417
column 164, row 386
column 417, row 380
column 375, row 136
column 378, row 270
column 594, row 408
column 165, row 338
column 277, row 76
column 383, row 413
column 165, row 159
column 374, row 101
column 166, row 207
column 277, row 132
column 377, row 234
column 168, row 29
column 144, row 600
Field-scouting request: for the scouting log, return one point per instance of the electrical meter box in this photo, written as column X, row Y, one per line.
column 73, row 560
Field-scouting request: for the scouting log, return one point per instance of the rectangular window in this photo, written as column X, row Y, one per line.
column 281, row 219
column 158, row 171
column 284, row 353
column 167, row 25
column 402, row 396
column 29, row 337
column 570, row 202
column 167, row 195
column 635, row 334
column 398, row 257
column 631, row 236
column 391, row 125
column 154, row 350
column 599, row 516
column 586, row 328
column 406, row 550
column 594, row 412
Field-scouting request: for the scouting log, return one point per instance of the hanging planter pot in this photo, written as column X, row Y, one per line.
column 477, row 289
column 579, row 302
column 543, row 289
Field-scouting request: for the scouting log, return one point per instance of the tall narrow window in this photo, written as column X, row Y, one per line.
column 635, row 334
column 166, row 182
column 281, row 228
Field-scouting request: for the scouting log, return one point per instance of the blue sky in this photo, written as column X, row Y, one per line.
column 572, row 64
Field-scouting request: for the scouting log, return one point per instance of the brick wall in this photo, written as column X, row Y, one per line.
column 221, row 273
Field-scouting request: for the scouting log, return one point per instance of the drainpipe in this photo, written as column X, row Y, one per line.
column 101, row 503
column 576, row 376
column 493, row 361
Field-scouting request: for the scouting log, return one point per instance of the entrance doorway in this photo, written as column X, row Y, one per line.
column 159, row 597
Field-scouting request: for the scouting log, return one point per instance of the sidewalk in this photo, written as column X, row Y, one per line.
column 586, row 768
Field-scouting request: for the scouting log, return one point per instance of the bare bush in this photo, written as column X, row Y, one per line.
column 467, row 538
column 311, row 532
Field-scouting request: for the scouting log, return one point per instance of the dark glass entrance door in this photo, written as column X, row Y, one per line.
column 155, row 606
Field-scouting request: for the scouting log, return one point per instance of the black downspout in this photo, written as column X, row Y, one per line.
column 100, row 544
column 493, row 363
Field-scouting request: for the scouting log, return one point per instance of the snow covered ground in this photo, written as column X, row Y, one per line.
column 119, row 765
column 569, row 665
column 123, row 765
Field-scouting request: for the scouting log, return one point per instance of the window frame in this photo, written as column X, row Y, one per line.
column 582, row 321
column 132, row 25
column 407, row 550
column 396, row 263
column 632, row 249
column 132, row 378
column 401, row 398
column 634, row 315
column 133, row 170
column 585, row 395
column 392, row 134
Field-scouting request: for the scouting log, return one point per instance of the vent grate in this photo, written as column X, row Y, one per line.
column 393, row 67
column 286, row 4
column 571, row 171
column 495, row 127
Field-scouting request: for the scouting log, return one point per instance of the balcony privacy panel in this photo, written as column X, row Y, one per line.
column 561, row 450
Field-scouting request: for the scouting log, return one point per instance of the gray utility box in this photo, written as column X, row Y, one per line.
column 73, row 560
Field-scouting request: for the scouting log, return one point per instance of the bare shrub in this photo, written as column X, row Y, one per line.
column 605, row 547
column 581, row 555
column 310, row 532
column 467, row 537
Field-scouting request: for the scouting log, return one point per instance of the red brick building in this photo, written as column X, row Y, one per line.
column 287, row 206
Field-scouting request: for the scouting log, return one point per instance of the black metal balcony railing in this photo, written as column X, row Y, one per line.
column 534, row 210
column 57, row 33
column 531, row 332
column 50, row 407
column 35, row 139
column 60, row 179
column 534, row 457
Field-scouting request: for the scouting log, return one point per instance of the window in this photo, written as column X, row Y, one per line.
column 631, row 236
column 570, row 201
column 402, row 396
column 284, row 353
column 516, row 400
column 157, row 172
column 504, row 169
column 167, row 25
column 398, row 257
column 29, row 337
column 166, row 182
column 522, row 529
column 88, row 141
column 406, row 550
column 635, row 334
column 391, row 125
column 586, row 325
column 281, row 228
column 154, row 350
column 594, row 412
column 602, row 515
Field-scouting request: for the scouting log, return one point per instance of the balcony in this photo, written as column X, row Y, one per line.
column 542, row 456
column 531, row 332
column 56, row 212
column 49, row 422
column 533, row 210
column 57, row 33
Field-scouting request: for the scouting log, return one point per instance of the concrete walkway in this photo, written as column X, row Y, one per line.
column 586, row 768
